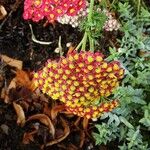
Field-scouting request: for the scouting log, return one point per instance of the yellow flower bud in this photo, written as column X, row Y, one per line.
column 36, row 75
column 91, row 89
column 90, row 67
column 76, row 56
column 76, row 83
column 90, row 59
column 99, row 58
column 115, row 67
column 81, row 65
column 109, row 69
column 104, row 65
column 98, row 70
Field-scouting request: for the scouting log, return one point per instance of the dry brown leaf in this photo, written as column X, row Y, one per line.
column 46, row 109
column 66, row 133
column 12, row 62
column 85, row 123
column 5, row 91
column 82, row 138
column 55, row 110
column 23, row 79
column 12, row 84
column 28, row 137
column 3, row 12
column 20, row 114
column 76, row 123
column 45, row 120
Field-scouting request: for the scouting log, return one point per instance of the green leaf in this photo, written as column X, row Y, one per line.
column 124, row 120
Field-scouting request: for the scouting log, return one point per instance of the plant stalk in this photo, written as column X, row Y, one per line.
column 86, row 35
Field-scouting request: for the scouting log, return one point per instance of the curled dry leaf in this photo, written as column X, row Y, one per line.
column 12, row 62
column 82, row 138
column 3, row 12
column 23, row 79
column 45, row 120
column 55, row 110
column 20, row 114
column 6, row 90
column 85, row 123
column 66, row 133
column 28, row 137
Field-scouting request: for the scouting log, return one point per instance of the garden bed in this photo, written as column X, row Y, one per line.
column 29, row 119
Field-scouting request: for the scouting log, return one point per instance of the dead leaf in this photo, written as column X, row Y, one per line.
column 46, row 109
column 12, row 84
column 20, row 114
column 85, row 123
column 82, row 138
column 5, row 91
column 45, row 120
column 12, row 62
column 23, row 79
column 55, row 110
column 76, row 123
column 3, row 12
column 66, row 133
column 28, row 137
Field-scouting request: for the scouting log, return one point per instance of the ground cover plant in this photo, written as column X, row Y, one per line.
column 75, row 74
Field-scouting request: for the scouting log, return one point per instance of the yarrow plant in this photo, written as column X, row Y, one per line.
column 63, row 11
column 82, row 81
column 52, row 10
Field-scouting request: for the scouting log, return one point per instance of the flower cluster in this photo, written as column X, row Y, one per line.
column 74, row 21
column 111, row 23
column 93, row 111
column 81, row 80
column 52, row 9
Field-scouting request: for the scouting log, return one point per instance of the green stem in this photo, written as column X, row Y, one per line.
column 84, row 41
column 86, row 35
column 91, row 10
column 138, row 8
column 91, row 43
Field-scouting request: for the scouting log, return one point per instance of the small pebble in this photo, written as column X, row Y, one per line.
column 4, row 128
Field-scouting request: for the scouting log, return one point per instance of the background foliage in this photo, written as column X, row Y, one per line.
column 129, row 124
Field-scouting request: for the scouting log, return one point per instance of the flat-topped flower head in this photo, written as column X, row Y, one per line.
column 80, row 80
column 51, row 9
